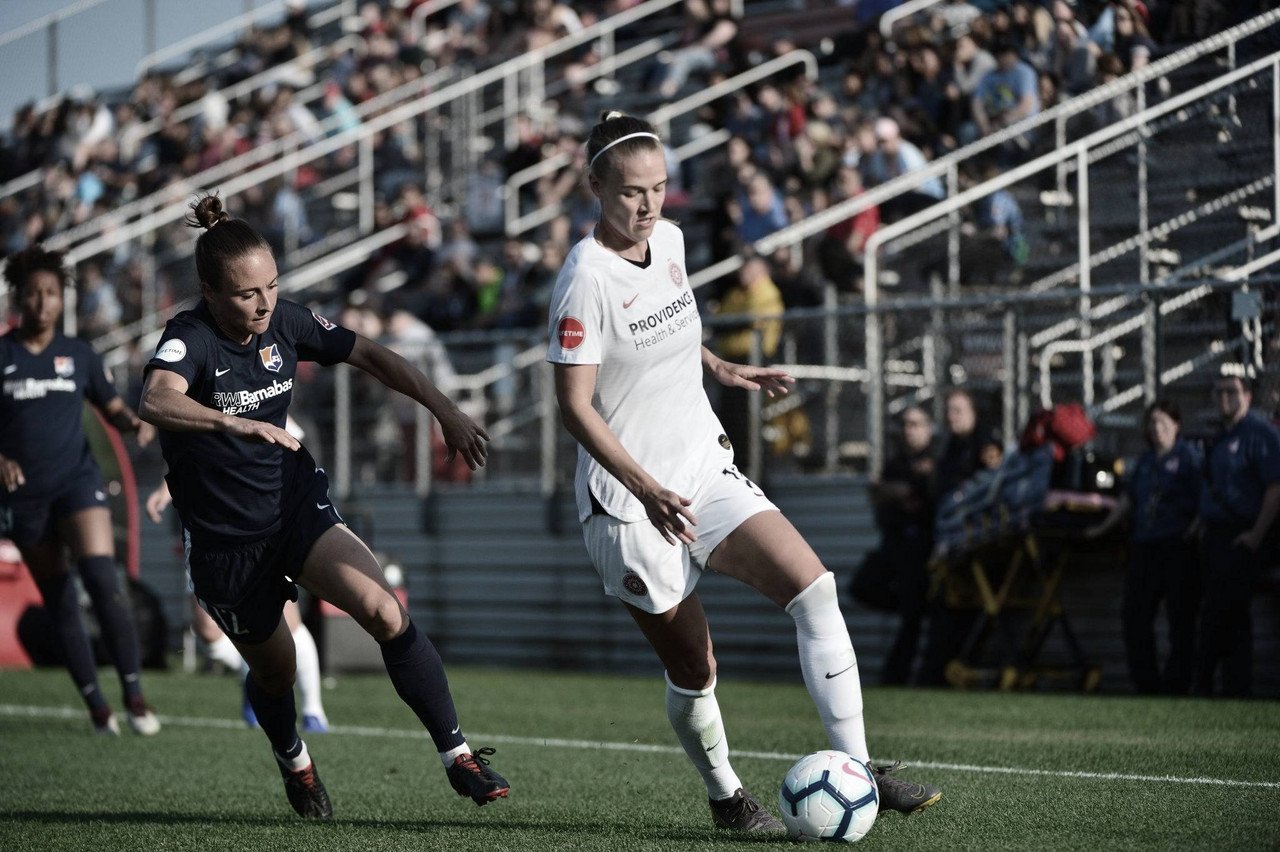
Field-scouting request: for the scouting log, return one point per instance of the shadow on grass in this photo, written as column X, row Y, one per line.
column 81, row 818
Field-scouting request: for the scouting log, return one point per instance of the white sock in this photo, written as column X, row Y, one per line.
column 829, row 665
column 308, row 673
column 223, row 650
column 448, row 757
column 695, row 715
column 302, row 761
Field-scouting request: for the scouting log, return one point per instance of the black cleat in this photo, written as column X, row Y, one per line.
column 905, row 797
column 306, row 792
column 471, row 776
column 741, row 812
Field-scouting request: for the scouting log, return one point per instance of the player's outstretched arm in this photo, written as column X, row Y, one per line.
column 123, row 418
column 771, row 380
column 165, row 405
column 667, row 510
column 461, row 434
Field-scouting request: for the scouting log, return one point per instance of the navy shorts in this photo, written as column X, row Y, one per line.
column 244, row 586
column 27, row 521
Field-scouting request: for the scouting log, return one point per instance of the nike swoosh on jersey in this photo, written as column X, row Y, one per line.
column 323, row 506
column 629, row 302
column 842, row 671
column 221, row 372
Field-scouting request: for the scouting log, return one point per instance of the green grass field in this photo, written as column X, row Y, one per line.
column 594, row 766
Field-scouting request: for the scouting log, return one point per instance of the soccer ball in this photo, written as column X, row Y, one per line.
column 828, row 796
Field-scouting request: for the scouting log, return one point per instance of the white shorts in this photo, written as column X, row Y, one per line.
column 639, row 567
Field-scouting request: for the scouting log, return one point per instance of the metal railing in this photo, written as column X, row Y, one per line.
column 908, row 9
column 1077, row 156
column 507, row 74
column 513, row 385
column 947, row 167
column 49, row 23
column 240, row 23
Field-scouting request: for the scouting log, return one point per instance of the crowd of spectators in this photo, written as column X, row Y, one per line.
column 882, row 107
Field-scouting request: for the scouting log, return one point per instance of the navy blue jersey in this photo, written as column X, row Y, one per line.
column 227, row 489
column 41, row 403
column 1165, row 491
column 1245, row 459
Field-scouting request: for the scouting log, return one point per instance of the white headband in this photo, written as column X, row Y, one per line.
column 591, row 165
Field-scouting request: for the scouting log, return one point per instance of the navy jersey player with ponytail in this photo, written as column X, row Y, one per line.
column 255, row 508
column 53, row 497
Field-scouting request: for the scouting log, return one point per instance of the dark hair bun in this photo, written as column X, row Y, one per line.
column 206, row 211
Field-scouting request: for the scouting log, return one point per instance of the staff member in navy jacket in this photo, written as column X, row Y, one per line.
column 1163, row 496
column 1239, row 501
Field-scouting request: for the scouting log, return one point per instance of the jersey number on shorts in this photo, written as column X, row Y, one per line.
column 755, row 489
column 226, row 620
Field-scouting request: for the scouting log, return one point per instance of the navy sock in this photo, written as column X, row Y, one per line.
column 63, row 605
column 418, row 675
column 102, row 582
column 277, row 716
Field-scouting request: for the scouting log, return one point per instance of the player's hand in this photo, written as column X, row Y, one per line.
column 464, row 436
column 157, row 502
column 257, row 432
column 669, row 512
column 771, row 380
column 146, row 433
column 11, row 475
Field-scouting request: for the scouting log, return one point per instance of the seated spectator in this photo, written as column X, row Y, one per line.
column 893, row 157
column 840, row 249
column 1133, row 44
column 759, row 209
column 705, row 39
column 1006, row 96
column 1071, row 54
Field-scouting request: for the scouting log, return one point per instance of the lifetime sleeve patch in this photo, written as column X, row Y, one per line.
column 172, row 351
column 571, row 333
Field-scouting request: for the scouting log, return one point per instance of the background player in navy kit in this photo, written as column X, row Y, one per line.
column 1164, row 498
column 656, row 489
column 53, row 497
column 255, row 508
column 1239, row 503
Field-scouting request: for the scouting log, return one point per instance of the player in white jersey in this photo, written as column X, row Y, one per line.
column 658, row 495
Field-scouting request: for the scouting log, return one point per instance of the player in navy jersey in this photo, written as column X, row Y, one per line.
column 255, row 508
column 53, row 497
column 658, row 496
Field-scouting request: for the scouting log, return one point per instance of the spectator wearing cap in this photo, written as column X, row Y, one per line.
column 1006, row 96
column 894, row 157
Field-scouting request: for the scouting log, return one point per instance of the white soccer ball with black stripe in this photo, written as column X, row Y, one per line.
column 828, row 795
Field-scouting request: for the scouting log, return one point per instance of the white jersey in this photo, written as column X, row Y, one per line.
column 641, row 326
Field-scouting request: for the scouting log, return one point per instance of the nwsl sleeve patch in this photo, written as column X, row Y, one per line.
column 570, row 332
column 324, row 323
column 172, row 351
